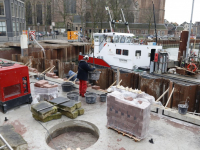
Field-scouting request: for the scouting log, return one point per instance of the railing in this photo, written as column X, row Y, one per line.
column 6, row 143
column 15, row 36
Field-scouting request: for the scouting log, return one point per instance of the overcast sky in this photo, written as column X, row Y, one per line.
column 180, row 11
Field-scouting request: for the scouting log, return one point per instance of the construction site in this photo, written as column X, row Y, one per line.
column 122, row 110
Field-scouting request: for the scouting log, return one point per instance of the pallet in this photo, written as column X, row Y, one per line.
column 126, row 134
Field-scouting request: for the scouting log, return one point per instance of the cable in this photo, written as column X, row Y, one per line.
column 45, row 129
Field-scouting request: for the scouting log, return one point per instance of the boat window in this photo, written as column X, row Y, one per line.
column 96, row 39
column 110, row 39
column 128, row 40
column 125, row 52
column 122, row 40
column 118, row 51
column 116, row 39
column 101, row 38
column 138, row 53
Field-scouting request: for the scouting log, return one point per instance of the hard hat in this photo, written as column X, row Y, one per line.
column 86, row 57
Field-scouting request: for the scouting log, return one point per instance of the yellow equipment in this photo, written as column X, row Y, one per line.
column 72, row 35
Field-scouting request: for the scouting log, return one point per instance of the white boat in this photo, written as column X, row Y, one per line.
column 118, row 50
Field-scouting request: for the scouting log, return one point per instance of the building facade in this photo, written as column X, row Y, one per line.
column 80, row 15
column 196, row 29
column 12, row 18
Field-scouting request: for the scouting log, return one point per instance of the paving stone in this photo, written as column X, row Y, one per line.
column 80, row 111
column 78, row 105
column 14, row 139
column 70, row 105
column 71, row 115
column 57, row 115
column 44, row 113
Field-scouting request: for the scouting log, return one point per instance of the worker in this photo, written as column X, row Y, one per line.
column 83, row 69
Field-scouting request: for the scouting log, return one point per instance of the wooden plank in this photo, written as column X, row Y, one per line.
column 126, row 134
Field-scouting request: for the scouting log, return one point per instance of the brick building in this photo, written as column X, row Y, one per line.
column 12, row 18
column 77, row 15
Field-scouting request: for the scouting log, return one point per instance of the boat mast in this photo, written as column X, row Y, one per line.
column 126, row 23
column 188, row 43
column 107, row 8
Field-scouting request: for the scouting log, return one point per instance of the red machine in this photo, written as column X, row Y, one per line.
column 14, row 86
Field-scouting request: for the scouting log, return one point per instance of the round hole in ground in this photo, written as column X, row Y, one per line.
column 72, row 134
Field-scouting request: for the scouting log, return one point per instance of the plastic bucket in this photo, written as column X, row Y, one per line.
column 94, row 75
column 182, row 109
column 73, row 96
column 39, row 77
column 90, row 98
column 103, row 97
column 67, row 86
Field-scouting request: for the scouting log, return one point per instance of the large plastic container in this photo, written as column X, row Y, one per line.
column 94, row 75
column 39, row 77
column 182, row 109
column 103, row 97
column 73, row 96
column 67, row 86
column 90, row 97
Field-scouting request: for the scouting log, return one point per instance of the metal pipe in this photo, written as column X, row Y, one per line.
column 188, row 43
column 163, row 66
column 9, row 147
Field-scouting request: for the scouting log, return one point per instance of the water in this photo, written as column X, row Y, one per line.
column 173, row 53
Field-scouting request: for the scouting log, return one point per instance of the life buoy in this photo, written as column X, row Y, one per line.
column 192, row 64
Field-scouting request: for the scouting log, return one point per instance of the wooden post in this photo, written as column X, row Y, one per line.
column 169, row 97
column 118, row 75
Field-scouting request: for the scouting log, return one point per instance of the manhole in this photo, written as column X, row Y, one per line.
column 72, row 134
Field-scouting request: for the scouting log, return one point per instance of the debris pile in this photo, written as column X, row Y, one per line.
column 71, row 108
column 129, row 111
column 45, row 91
column 41, row 114
column 51, row 75
column 32, row 70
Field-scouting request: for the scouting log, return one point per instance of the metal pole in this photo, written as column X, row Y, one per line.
column 154, row 21
column 189, row 31
column 7, row 145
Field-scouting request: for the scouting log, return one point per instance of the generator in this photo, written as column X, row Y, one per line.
column 14, row 86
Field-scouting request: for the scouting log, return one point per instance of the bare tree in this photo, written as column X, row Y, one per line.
column 147, row 16
column 101, row 12
column 82, row 12
column 92, row 13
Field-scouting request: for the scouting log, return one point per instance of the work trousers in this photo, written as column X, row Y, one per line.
column 82, row 87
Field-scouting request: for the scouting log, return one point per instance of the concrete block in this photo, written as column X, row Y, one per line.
column 71, row 115
column 14, row 139
column 153, row 108
column 57, row 115
column 197, row 120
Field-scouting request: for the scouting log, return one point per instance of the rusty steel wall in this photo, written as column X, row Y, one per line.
column 151, row 86
column 183, row 93
column 183, row 43
column 6, row 53
column 197, row 106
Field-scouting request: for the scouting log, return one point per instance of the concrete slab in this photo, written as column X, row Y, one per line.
column 167, row 133
column 13, row 138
